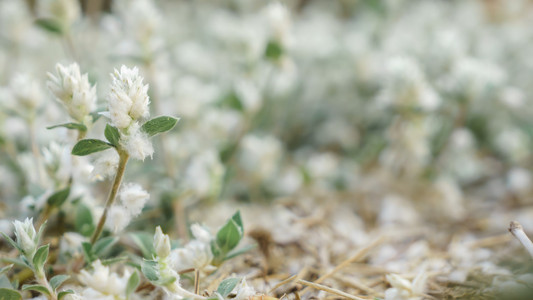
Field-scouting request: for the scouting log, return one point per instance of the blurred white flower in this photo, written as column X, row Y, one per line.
column 102, row 283
column 73, row 90
column 403, row 289
column 196, row 254
column 118, row 218
column 133, row 197
column 260, row 155
column 105, row 165
column 64, row 11
column 279, row 22
column 26, row 95
column 204, row 174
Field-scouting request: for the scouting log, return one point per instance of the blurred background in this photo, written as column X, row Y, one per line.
column 370, row 115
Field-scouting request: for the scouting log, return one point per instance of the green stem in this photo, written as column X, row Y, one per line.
column 41, row 279
column 112, row 194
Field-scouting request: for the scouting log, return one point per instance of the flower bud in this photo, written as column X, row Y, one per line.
column 27, row 238
column 161, row 243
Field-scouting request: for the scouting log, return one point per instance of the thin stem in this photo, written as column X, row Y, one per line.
column 112, row 194
column 518, row 231
column 35, row 151
column 197, row 281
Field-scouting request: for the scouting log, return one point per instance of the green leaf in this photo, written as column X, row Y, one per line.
column 58, row 198
column 149, row 269
column 133, row 283
column 57, row 280
column 103, row 245
column 12, row 242
column 114, row 260
column 237, row 218
column 6, row 269
column 145, row 242
column 40, row 257
column 9, row 294
column 159, row 125
column 112, row 135
column 273, row 50
column 84, row 220
column 77, row 126
column 50, row 25
column 86, row 147
column 5, row 283
column 226, row 286
column 88, row 252
column 16, row 261
column 229, row 236
column 35, row 287
column 64, row 293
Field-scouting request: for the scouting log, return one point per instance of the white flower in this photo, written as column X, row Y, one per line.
column 133, row 198
column 118, row 218
column 161, row 243
column 244, row 291
column 196, row 254
column 279, row 21
column 73, row 90
column 64, row 11
column 201, row 234
column 137, row 143
column 105, row 165
column 103, row 283
column 26, row 95
column 27, row 238
column 403, row 289
column 128, row 99
column 260, row 155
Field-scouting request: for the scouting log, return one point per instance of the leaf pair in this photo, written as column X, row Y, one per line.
column 151, row 128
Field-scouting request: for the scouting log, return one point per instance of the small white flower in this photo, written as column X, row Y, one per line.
column 105, row 165
column 27, row 238
column 161, row 243
column 73, row 90
column 196, row 254
column 133, row 198
column 25, row 95
column 64, row 11
column 137, row 143
column 201, row 234
column 118, row 218
column 103, row 283
column 128, row 99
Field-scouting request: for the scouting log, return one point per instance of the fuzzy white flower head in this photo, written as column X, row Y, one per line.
column 105, row 165
column 27, row 238
column 161, row 243
column 103, row 282
column 196, row 254
column 137, row 143
column 133, row 197
column 128, row 99
column 118, row 218
column 26, row 94
column 73, row 90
